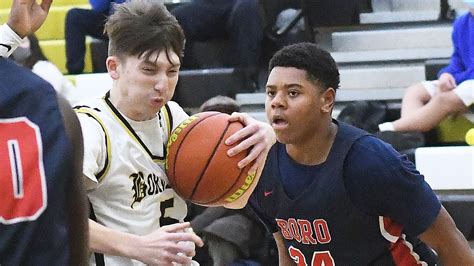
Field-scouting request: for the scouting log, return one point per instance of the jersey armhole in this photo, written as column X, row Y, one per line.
column 90, row 113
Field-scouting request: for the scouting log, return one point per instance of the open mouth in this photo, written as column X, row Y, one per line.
column 279, row 121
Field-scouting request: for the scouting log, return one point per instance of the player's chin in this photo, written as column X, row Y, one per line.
column 282, row 137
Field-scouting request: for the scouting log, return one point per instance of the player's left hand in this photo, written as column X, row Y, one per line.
column 258, row 136
column 27, row 16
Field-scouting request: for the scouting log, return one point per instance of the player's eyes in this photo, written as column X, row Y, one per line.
column 148, row 70
column 293, row 93
column 270, row 93
column 173, row 72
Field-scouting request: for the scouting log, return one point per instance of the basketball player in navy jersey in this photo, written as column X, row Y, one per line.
column 43, row 215
column 334, row 195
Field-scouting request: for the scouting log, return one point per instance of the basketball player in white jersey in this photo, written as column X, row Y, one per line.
column 136, row 218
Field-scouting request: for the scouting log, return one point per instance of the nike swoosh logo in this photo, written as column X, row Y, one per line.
column 267, row 193
column 6, row 46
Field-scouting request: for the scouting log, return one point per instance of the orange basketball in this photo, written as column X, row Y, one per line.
column 197, row 164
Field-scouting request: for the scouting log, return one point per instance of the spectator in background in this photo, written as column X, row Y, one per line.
column 426, row 104
column 81, row 23
column 30, row 55
column 236, row 20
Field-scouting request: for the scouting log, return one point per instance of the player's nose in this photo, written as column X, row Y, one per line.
column 278, row 100
column 161, row 82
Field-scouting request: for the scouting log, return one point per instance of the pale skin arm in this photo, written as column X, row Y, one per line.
column 256, row 135
column 259, row 135
column 27, row 16
column 283, row 256
column 448, row 241
column 158, row 248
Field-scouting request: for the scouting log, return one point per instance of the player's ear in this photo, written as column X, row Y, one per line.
column 328, row 98
column 113, row 64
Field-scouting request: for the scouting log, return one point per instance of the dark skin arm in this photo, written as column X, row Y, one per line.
column 77, row 208
column 283, row 256
column 448, row 241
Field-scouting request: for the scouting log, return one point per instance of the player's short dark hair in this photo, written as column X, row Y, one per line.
column 142, row 28
column 318, row 64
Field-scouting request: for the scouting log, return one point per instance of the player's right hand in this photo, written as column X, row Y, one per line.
column 162, row 247
column 446, row 82
column 27, row 16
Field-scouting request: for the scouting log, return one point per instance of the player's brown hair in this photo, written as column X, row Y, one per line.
column 142, row 28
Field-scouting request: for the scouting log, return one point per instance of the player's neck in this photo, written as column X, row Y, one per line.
column 314, row 150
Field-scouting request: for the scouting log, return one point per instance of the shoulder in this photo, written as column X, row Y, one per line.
column 90, row 119
column 369, row 146
column 17, row 80
column 21, row 77
column 463, row 21
column 372, row 161
column 174, row 107
column 176, row 113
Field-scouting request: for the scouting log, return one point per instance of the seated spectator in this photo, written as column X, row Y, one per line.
column 81, row 23
column 426, row 104
column 236, row 20
column 30, row 55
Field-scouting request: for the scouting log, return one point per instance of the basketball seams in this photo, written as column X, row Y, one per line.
column 188, row 130
column 229, row 190
column 223, row 195
column 213, row 178
column 209, row 161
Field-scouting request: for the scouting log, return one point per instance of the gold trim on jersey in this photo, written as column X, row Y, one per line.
column 168, row 118
column 128, row 128
column 108, row 156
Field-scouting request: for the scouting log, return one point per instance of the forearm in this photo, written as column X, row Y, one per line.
column 448, row 242
column 9, row 40
column 109, row 241
column 456, row 256
column 283, row 256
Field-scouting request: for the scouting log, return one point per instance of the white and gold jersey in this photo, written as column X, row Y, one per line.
column 124, row 167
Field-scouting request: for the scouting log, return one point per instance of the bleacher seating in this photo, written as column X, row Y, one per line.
column 51, row 33
column 379, row 61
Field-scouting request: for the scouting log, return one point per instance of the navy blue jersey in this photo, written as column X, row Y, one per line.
column 35, row 163
column 347, row 213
